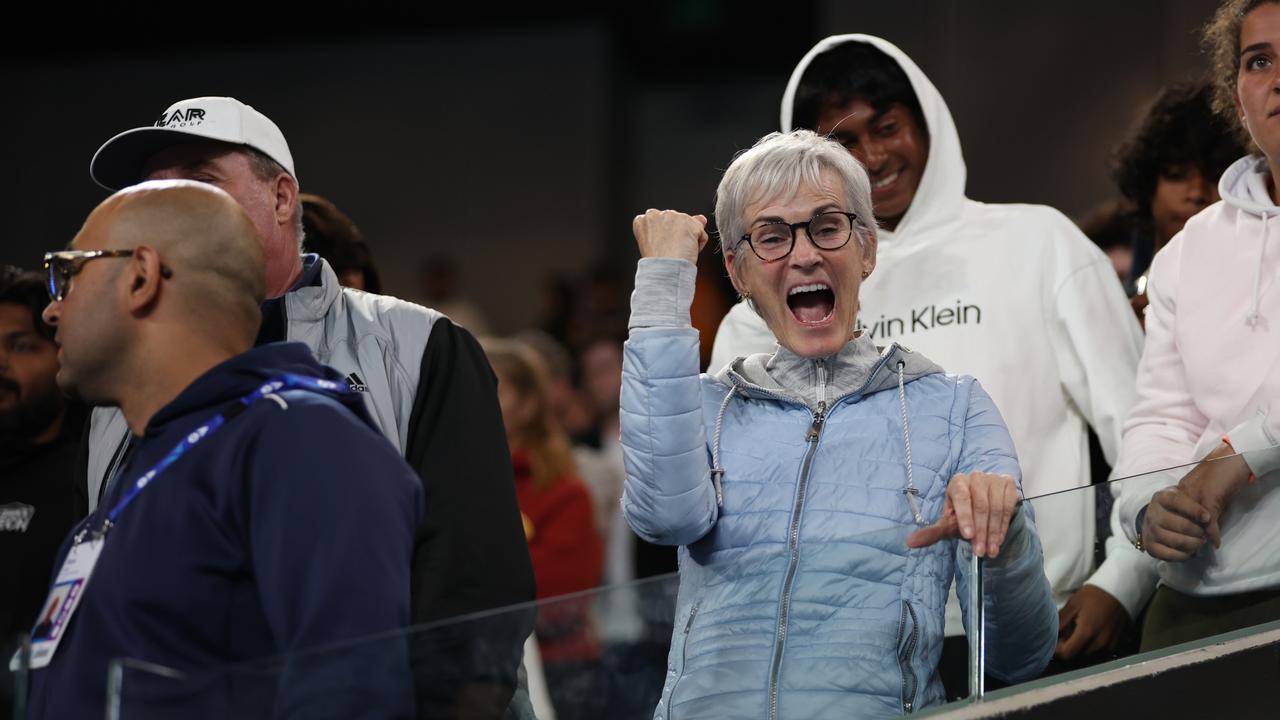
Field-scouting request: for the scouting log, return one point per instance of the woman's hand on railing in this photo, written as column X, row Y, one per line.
column 978, row 508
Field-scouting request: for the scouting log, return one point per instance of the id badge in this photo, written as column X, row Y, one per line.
column 63, row 599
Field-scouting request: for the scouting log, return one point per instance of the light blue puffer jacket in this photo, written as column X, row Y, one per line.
column 798, row 596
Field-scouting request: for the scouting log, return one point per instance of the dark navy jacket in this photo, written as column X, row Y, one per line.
column 291, row 527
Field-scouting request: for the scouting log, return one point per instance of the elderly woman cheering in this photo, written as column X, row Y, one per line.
column 801, row 485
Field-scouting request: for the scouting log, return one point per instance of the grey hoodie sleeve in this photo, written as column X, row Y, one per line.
column 663, row 293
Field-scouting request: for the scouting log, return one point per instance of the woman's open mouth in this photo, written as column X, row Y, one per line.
column 811, row 304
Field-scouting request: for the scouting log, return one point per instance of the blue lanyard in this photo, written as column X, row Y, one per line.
column 195, row 437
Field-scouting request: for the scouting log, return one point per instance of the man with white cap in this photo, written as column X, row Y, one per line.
column 426, row 383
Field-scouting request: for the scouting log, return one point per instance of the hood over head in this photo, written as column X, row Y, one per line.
column 940, row 196
column 859, row 369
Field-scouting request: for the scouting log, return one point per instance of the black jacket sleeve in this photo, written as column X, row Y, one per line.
column 470, row 554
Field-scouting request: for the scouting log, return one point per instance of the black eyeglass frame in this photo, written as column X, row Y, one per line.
column 60, row 266
column 793, row 227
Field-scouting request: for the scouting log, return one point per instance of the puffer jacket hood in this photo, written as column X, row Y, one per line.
column 940, row 196
column 1244, row 186
column 859, row 367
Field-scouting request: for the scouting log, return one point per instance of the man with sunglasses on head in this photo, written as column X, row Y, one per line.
column 1012, row 294
column 424, row 380
column 235, row 532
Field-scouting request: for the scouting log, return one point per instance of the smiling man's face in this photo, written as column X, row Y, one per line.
column 889, row 143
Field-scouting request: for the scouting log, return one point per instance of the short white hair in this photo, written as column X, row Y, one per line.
column 777, row 167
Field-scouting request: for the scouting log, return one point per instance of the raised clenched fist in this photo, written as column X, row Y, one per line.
column 668, row 233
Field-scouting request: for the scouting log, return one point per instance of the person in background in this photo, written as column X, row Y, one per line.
column 569, row 405
column 601, row 363
column 438, row 288
column 627, row 557
column 1209, row 382
column 1168, row 170
column 558, row 297
column 40, row 431
column 330, row 234
column 559, row 526
column 1111, row 227
column 600, row 456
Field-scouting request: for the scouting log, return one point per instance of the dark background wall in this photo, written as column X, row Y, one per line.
column 522, row 144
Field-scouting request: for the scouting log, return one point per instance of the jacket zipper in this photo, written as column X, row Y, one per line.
column 909, row 683
column 822, row 382
column 684, row 654
column 811, row 436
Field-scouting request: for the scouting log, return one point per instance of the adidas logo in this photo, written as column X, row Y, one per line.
column 355, row 384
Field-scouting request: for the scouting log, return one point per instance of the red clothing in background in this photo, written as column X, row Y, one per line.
column 567, row 557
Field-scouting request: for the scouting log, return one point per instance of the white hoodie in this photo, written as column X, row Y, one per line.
column 1016, row 296
column 1211, row 367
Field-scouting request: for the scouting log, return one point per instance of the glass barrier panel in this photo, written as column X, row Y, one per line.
column 155, row 691
column 600, row 653
column 1214, row 573
column 606, row 653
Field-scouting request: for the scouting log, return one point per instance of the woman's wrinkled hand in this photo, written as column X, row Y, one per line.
column 978, row 508
column 671, row 234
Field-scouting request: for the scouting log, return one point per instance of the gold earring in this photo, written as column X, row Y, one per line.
column 745, row 295
column 866, row 274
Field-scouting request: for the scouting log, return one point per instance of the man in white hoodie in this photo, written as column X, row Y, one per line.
column 1012, row 294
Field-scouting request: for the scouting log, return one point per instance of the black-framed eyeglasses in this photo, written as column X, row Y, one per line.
column 62, row 265
column 774, row 241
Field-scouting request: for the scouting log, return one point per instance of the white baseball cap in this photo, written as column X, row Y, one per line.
column 119, row 162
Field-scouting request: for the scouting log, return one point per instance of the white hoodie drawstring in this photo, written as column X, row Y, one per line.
column 1251, row 319
column 912, row 494
column 716, row 471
